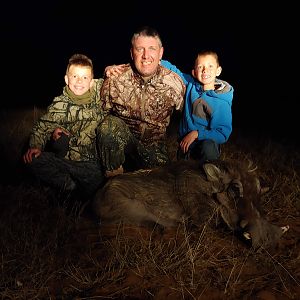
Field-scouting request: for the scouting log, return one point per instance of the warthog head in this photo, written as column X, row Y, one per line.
column 238, row 191
column 181, row 191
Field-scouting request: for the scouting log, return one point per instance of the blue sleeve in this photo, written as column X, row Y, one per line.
column 185, row 77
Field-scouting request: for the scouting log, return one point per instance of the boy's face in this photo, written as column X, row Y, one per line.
column 206, row 70
column 146, row 53
column 79, row 79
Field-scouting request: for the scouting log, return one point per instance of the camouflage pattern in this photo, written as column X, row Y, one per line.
column 80, row 120
column 144, row 110
column 117, row 144
column 146, row 107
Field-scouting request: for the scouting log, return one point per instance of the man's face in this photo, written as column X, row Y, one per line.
column 146, row 53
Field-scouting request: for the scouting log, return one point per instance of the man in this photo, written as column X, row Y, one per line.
column 139, row 103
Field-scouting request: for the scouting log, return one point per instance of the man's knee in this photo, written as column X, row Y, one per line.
column 109, row 125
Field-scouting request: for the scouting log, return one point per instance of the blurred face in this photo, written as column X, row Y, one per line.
column 146, row 53
column 79, row 79
column 206, row 70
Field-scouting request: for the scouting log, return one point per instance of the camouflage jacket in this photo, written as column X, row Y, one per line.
column 80, row 120
column 146, row 107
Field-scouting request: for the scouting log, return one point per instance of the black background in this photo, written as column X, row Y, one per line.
column 257, row 48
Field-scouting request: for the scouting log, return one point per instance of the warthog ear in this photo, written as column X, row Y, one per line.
column 212, row 172
column 261, row 190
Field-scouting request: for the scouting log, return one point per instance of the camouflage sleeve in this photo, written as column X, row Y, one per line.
column 96, row 88
column 177, row 87
column 179, row 93
column 105, row 95
column 43, row 128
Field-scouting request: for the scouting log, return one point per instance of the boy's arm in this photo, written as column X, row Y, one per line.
column 185, row 77
column 47, row 123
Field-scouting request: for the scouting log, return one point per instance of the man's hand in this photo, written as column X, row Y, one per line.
column 114, row 70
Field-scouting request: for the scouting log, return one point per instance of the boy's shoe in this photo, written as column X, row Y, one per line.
column 114, row 172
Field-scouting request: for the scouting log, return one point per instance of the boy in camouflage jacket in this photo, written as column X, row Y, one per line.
column 70, row 121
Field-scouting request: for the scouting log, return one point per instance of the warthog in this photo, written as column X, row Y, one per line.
column 181, row 191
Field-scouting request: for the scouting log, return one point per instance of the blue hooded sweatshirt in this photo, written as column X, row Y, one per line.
column 208, row 112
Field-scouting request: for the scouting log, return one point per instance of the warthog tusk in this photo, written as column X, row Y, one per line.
column 252, row 170
column 247, row 235
column 250, row 165
column 285, row 228
column 264, row 190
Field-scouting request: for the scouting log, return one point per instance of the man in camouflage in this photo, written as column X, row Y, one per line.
column 139, row 103
column 70, row 121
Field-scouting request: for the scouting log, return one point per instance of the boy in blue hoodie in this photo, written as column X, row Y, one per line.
column 207, row 118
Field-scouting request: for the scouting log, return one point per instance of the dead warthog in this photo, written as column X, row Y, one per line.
column 182, row 191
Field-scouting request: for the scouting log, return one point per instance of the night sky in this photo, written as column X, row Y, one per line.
column 257, row 49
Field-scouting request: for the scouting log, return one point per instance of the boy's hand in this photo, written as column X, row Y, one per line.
column 58, row 132
column 31, row 152
column 188, row 140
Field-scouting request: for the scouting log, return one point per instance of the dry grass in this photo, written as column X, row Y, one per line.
column 49, row 253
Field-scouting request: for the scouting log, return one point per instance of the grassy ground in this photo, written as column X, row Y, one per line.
column 49, row 252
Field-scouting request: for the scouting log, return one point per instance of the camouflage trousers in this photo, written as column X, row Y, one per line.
column 118, row 146
column 67, row 176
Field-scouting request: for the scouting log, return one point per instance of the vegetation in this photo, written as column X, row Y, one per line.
column 49, row 251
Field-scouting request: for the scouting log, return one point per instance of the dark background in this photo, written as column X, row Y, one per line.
column 257, row 48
